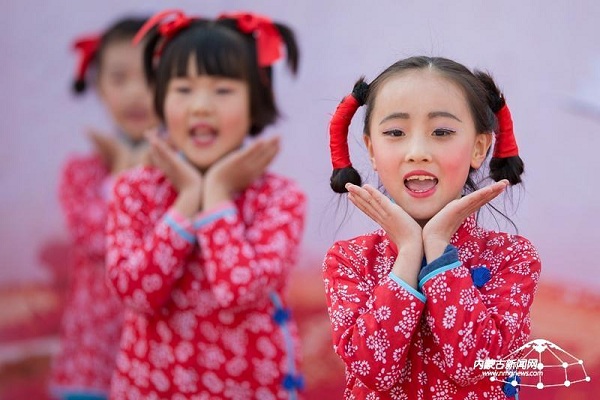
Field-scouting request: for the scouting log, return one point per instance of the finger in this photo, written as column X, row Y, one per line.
column 365, row 200
column 474, row 201
column 364, row 207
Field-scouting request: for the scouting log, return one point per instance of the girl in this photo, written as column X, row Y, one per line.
column 92, row 318
column 416, row 304
column 201, row 243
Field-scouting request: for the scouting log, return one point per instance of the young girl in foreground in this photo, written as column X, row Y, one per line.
column 201, row 244
column 92, row 318
column 414, row 305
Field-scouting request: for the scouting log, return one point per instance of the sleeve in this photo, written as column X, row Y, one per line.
column 144, row 258
column 468, row 323
column 244, row 262
column 83, row 204
column 373, row 324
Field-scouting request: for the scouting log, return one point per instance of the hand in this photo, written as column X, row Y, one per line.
column 186, row 179
column 403, row 230
column 439, row 230
column 238, row 169
column 115, row 153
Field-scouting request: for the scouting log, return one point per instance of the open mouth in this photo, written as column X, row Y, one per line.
column 203, row 135
column 420, row 184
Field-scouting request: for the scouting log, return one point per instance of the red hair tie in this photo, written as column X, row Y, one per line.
column 167, row 29
column 506, row 144
column 267, row 36
column 87, row 46
column 340, row 122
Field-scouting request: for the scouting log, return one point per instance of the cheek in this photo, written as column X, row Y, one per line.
column 456, row 165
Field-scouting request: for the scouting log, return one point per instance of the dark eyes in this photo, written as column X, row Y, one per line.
column 437, row 132
column 443, row 132
column 394, row 133
column 224, row 90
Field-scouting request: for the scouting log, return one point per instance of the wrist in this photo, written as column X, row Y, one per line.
column 434, row 248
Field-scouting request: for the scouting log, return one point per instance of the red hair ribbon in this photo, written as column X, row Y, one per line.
column 87, row 46
column 506, row 144
column 267, row 36
column 338, row 132
column 166, row 29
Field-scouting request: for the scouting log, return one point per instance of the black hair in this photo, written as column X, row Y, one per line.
column 219, row 49
column 123, row 29
column 484, row 100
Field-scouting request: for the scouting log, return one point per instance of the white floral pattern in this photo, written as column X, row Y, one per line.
column 93, row 316
column 396, row 346
column 202, row 309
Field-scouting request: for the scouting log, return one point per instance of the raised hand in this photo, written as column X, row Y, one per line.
column 402, row 229
column 186, row 179
column 237, row 170
column 117, row 156
column 440, row 228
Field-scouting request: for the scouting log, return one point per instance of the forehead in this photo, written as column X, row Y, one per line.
column 121, row 52
column 420, row 92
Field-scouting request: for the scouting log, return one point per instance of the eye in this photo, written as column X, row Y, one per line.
column 393, row 133
column 443, row 132
column 224, row 90
column 183, row 89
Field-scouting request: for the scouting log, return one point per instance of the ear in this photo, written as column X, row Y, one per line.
column 483, row 141
column 369, row 145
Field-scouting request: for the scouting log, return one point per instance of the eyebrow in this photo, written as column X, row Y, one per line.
column 431, row 115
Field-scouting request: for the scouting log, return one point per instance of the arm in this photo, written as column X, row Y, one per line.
column 373, row 324
column 83, row 203
column 244, row 263
column 467, row 325
column 146, row 254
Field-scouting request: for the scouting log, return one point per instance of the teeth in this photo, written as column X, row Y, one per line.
column 420, row 178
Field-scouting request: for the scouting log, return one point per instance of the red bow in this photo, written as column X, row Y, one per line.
column 166, row 29
column 267, row 36
column 87, row 46
column 506, row 144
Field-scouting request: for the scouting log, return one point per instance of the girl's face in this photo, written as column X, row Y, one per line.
column 423, row 141
column 123, row 89
column 207, row 116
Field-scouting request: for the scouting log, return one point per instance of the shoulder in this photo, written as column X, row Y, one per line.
column 272, row 188
column 144, row 181
column 504, row 251
column 367, row 253
column 85, row 165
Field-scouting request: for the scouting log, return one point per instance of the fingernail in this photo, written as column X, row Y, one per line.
column 347, row 185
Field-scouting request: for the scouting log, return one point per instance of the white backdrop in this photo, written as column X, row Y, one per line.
column 545, row 55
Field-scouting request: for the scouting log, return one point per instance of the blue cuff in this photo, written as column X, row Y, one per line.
column 449, row 256
column 179, row 229
column 199, row 223
column 406, row 286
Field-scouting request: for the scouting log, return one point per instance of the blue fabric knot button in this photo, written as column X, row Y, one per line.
column 291, row 382
column 481, row 275
column 509, row 389
column 281, row 315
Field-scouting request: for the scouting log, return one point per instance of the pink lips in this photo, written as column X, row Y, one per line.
column 203, row 134
column 420, row 183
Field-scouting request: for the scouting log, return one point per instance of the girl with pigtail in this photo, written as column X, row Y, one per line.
column 202, row 241
column 418, row 306
column 92, row 318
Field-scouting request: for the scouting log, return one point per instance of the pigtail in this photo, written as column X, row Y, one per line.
column 343, row 171
column 505, row 162
column 291, row 46
column 87, row 49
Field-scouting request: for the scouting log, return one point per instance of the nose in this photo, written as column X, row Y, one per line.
column 417, row 149
column 201, row 102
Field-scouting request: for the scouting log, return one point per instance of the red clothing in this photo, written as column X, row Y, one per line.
column 93, row 315
column 202, row 295
column 398, row 343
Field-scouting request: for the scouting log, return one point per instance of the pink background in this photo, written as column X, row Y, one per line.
column 545, row 55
